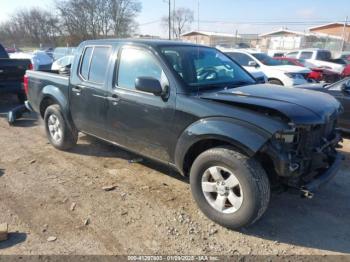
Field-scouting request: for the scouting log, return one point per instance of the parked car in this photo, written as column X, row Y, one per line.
column 260, row 77
column 317, row 74
column 62, row 62
column 341, row 91
column 276, row 72
column 193, row 108
column 39, row 59
column 318, row 57
column 60, row 52
column 11, row 74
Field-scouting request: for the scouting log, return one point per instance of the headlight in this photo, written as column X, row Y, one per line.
column 287, row 137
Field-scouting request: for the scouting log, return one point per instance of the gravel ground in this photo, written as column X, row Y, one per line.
column 46, row 195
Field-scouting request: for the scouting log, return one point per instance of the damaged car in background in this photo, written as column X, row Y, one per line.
column 195, row 109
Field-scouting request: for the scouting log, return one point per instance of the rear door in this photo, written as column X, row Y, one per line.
column 88, row 91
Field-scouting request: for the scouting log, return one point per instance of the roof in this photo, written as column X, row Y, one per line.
column 329, row 24
column 207, row 33
column 284, row 31
column 149, row 42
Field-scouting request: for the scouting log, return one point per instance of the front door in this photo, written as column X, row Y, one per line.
column 88, row 102
column 137, row 120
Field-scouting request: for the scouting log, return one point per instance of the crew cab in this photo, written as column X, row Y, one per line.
column 319, row 58
column 193, row 108
column 11, row 74
column 276, row 72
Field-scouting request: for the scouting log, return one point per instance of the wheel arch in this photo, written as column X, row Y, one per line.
column 205, row 134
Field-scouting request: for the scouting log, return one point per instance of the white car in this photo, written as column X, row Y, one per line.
column 285, row 75
column 40, row 60
column 62, row 62
column 318, row 57
column 256, row 73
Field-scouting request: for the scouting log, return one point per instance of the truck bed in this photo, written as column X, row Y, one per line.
column 38, row 81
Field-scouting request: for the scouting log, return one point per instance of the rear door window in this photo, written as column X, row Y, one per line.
column 306, row 55
column 99, row 64
column 85, row 64
column 324, row 55
column 94, row 64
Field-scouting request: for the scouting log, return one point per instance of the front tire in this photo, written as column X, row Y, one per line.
column 57, row 130
column 229, row 188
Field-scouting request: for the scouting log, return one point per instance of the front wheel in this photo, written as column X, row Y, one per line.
column 229, row 188
column 57, row 130
column 275, row 82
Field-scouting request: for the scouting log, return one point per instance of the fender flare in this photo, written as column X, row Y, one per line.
column 54, row 93
column 243, row 135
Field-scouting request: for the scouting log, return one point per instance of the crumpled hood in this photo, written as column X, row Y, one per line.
column 300, row 106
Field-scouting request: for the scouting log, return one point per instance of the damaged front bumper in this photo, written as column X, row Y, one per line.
column 311, row 187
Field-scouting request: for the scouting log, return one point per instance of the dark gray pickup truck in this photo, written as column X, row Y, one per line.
column 195, row 109
column 11, row 74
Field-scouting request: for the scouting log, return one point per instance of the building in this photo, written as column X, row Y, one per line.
column 210, row 38
column 288, row 40
column 333, row 29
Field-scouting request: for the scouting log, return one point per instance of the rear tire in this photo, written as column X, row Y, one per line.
column 275, row 82
column 57, row 130
column 229, row 188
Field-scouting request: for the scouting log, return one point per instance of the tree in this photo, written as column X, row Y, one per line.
column 87, row 19
column 34, row 26
column 182, row 19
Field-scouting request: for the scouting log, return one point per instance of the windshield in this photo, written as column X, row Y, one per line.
column 204, row 66
column 267, row 60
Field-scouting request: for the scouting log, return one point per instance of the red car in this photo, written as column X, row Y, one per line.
column 318, row 73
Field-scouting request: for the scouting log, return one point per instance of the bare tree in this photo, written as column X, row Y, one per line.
column 34, row 26
column 182, row 19
column 86, row 19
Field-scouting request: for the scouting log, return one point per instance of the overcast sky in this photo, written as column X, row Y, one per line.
column 246, row 16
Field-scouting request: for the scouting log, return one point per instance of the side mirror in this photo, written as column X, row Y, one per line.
column 253, row 64
column 65, row 70
column 149, row 85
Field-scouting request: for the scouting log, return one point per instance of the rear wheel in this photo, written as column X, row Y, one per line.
column 275, row 82
column 57, row 130
column 229, row 188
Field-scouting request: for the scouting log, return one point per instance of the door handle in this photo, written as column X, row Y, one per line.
column 114, row 99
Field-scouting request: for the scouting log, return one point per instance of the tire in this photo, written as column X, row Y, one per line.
column 21, row 98
column 275, row 82
column 251, row 195
column 57, row 130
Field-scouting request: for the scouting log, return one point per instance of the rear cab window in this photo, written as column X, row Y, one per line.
column 94, row 64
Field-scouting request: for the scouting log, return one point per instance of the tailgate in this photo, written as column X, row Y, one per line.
column 13, row 69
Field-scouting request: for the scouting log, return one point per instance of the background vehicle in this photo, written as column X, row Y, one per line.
column 341, row 91
column 60, row 52
column 255, row 72
column 193, row 108
column 62, row 62
column 319, row 58
column 276, row 72
column 11, row 74
column 39, row 59
column 317, row 74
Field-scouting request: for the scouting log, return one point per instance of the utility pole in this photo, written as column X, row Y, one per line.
column 344, row 34
column 174, row 11
column 169, row 19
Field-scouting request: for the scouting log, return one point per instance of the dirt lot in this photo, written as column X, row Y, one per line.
column 150, row 212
